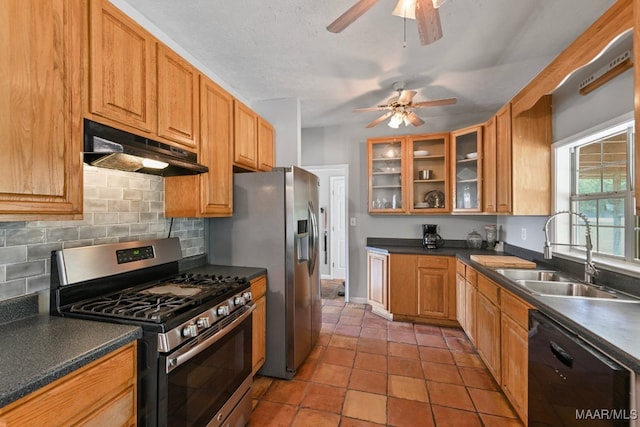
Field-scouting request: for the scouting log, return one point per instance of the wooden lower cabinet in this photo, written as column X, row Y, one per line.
column 515, row 348
column 259, row 325
column 377, row 282
column 102, row 393
column 497, row 322
column 488, row 333
column 422, row 288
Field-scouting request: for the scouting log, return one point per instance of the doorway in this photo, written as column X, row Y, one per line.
column 334, row 235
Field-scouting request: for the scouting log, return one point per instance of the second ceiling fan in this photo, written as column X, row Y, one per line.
column 399, row 109
column 425, row 12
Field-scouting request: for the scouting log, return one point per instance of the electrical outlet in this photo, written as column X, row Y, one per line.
column 523, row 233
column 352, row 222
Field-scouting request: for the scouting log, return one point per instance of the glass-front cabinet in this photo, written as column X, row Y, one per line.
column 428, row 173
column 386, row 166
column 466, row 160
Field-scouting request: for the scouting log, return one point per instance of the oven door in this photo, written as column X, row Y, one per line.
column 208, row 380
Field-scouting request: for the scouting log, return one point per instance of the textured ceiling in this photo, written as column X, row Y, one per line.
column 275, row 49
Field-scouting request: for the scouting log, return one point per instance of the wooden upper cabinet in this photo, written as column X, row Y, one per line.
column 266, row 140
column 466, row 169
column 636, row 91
column 177, row 98
column 122, row 64
column 41, row 109
column 209, row 194
column 489, row 167
column 245, row 136
column 503, row 160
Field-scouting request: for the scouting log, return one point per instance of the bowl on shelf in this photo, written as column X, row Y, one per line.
column 472, row 155
column 421, row 153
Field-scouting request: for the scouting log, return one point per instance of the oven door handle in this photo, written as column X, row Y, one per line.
column 174, row 361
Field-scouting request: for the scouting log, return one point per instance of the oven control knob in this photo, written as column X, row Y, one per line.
column 248, row 296
column 238, row 301
column 190, row 330
column 223, row 310
column 202, row 322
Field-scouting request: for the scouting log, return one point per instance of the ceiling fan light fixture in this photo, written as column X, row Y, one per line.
column 396, row 120
column 406, row 9
column 438, row 3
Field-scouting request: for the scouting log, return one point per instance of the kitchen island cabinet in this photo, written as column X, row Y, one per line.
column 422, row 289
column 102, row 393
column 41, row 112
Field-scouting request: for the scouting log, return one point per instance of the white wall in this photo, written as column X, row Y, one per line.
column 284, row 116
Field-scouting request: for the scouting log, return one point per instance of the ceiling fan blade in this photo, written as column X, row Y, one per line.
column 414, row 119
column 380, row 119
column 347, row 18
column 406, row 96
column 435, row 103
column 428, row 20
column 378, row 108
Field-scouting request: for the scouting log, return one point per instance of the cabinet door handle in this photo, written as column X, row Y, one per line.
column 561, row 354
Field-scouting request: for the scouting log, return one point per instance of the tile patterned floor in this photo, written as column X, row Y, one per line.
column 366, row 371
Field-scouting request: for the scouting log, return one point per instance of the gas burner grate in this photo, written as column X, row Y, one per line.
column 136, row 305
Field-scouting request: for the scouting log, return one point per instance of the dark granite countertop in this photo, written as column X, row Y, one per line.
column 39, row 349
column 608, row 325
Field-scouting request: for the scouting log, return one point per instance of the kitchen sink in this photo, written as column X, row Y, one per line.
column 558, row 284
column 528, row 274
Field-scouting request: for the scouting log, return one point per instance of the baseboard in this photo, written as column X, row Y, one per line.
column 358, row 300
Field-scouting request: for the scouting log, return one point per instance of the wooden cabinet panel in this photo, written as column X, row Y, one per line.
column 489, row 182
column 402, row 284
column 431, row 195
column 515, row 347
column 245, row 136
column 377, row 288
column 387, row 171
column 488, row 333
column 98, row 394
column 178, row 114
column 503, row 159
column 259, row 323
column 470, row 311
column 41, row 110
column 266, row 140
column 209, row 194
column 490, row 289
column 436, row 287
column 515, row 308
column 122, row 72
column 466, row 169
column 460, row 300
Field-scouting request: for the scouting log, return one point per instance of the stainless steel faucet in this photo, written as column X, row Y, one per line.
column 590, row 271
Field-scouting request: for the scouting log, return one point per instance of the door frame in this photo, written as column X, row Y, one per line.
column 333, row 235
column 324, row 172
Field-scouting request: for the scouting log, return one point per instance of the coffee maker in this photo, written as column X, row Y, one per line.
column 430, row 237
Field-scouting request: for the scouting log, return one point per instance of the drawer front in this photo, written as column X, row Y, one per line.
column 434, row 262
column 515, row 308
column 489, row 289
column 471, row 275
column 259, row 287
column 460, row 267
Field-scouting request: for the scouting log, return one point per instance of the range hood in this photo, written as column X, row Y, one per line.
column 112, row 148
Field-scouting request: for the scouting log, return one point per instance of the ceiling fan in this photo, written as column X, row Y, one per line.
column 400, row 108
column 425, row 12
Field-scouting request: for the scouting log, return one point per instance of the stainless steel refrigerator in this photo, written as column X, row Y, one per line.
column 275, row 226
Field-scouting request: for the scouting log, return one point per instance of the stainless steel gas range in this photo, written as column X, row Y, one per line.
column 194, row 360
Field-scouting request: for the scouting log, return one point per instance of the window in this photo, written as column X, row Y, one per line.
column 594, row 176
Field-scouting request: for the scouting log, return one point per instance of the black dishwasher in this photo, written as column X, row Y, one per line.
column 570, row 382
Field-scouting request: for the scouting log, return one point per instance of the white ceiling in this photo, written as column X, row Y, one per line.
column 272, row 49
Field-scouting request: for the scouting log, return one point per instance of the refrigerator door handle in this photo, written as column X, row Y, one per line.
column 313, row 239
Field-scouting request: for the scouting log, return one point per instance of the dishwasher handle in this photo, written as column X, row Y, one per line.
column 561, row 354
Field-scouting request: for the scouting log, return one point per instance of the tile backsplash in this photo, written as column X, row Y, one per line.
column 118, row 207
